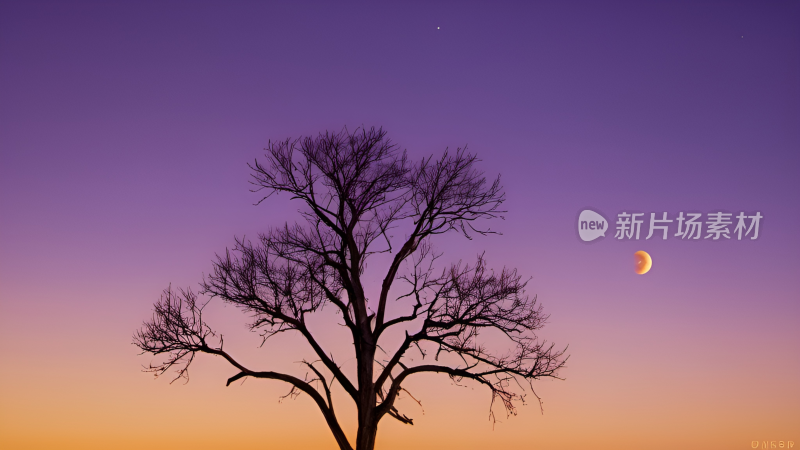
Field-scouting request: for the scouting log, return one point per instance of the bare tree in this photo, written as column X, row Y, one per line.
column 355, row 188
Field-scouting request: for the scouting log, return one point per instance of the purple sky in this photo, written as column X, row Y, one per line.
column 125, row 130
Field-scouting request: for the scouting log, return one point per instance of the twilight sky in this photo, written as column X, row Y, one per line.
column 124, row 136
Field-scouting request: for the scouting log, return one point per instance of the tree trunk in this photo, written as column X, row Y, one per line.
column 367, row 425
column 366, row 435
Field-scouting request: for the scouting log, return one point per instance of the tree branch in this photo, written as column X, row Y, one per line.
column 178, row 330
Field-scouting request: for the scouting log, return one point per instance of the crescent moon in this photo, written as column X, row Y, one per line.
column 642, row 262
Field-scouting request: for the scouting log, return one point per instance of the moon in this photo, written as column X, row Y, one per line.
column 643, row 262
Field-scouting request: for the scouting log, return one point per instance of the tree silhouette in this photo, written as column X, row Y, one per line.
column 355, row 188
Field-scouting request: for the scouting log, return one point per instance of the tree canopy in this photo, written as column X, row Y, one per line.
column 355, row 188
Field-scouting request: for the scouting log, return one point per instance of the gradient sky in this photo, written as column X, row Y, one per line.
column 125, row 130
